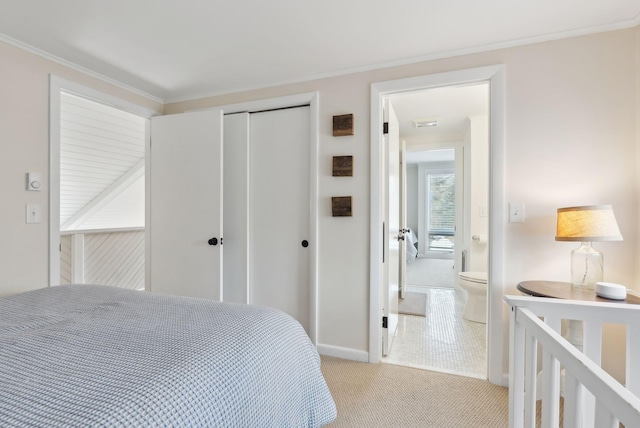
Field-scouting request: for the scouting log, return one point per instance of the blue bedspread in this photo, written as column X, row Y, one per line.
column 84, row 355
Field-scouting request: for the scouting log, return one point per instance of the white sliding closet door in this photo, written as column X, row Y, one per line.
column 280, row 211
column 236, row 207
column 185, row 224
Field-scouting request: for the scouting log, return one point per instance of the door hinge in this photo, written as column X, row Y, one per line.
column 385, row 322
column 385, row 128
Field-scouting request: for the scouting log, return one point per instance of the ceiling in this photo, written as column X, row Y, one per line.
column 426, row 156
column 174, row 50
column 102, row 166
column 449, row 106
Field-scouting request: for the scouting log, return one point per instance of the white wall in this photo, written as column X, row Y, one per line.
column 412, row 197
column 479, row 199
column 571, row 138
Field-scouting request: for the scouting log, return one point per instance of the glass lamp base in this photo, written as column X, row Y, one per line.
column 586, row 266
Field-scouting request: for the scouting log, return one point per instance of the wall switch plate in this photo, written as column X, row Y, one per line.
column 516, row 212
column 34, row 214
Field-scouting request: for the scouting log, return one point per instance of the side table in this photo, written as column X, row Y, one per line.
column 564, row 290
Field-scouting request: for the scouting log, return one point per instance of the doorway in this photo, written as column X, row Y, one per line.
column 496, row 319
column 432, row 179
column 445, row 134
column 97, row 187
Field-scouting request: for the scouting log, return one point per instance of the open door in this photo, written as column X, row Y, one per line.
column 395, row 237
column 402, row 285
column 185, row 225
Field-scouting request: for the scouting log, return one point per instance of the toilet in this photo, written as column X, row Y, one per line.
column 475, row 284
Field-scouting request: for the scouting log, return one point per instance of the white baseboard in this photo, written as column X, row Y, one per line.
column 344, row 353
column 505, row 379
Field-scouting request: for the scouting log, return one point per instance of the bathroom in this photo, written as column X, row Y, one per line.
column 447, row 162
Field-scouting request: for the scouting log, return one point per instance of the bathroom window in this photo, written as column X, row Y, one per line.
column 441, row 205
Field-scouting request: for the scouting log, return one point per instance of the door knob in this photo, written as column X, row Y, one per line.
column 213, row 241
column 305, row 243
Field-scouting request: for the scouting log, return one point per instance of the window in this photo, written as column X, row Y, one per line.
column 441, row 205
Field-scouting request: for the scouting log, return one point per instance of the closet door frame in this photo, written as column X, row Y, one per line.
column 312, row 100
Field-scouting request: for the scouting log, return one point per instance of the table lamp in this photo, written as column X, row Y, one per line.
column 587, row 224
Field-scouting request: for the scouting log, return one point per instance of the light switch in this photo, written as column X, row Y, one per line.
column 34, row 214
column 516, row 212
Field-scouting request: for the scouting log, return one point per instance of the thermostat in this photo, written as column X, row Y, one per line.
column 34, row 181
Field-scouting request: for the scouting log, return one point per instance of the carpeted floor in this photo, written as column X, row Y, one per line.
column 384, row 395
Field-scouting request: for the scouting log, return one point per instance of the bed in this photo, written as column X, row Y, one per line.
column 86, row 355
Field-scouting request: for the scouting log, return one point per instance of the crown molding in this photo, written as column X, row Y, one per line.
column 424, row 58
column 76, row 67
column 337, row 73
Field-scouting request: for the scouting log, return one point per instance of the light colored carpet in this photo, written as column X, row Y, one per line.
column 413, row 304
column 431, row 272
column 385, row 395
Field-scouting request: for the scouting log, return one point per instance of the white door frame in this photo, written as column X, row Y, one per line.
column 497, row 315
column 312, row 100
column 57, row 84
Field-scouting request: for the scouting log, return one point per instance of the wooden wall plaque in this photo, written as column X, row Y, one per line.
column 343, row 166
column 343, row 125
column 341, row 206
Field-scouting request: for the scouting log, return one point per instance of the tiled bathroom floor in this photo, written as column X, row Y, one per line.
column 443, row 340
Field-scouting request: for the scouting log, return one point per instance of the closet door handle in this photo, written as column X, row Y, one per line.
column 305, row 243
column 213, row 241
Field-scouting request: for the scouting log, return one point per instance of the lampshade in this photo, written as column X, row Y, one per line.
column 589, row 223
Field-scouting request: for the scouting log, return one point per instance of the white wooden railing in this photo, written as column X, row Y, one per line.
column 592, row 397
column 103, row 256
